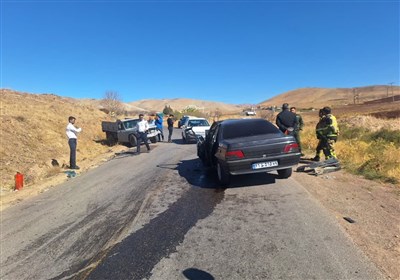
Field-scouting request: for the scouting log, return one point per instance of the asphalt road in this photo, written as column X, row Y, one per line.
column 161, row 215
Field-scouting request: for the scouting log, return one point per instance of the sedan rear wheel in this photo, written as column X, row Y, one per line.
column 285, row 173
column 223, row 175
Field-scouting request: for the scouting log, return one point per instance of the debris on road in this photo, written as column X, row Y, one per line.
column 319, row 168
column 350, row 220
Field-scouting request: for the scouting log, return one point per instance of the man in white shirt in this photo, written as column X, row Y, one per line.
column 142, row 126
column 72, row 133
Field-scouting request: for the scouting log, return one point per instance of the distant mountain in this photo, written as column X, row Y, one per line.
column 319, row 97
column 98, row 104
column 179, row 104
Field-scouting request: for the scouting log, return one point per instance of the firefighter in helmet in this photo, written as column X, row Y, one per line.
column 327, row 132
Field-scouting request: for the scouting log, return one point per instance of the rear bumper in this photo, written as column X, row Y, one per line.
column 239, row 167
column 152, row 133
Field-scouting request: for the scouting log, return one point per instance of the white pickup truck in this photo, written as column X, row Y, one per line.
column 124, row 132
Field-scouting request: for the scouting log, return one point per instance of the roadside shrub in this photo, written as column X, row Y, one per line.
column 372, row 154
column 385, row 135
column 347, row 132
column 20, row 118
column 308, row 139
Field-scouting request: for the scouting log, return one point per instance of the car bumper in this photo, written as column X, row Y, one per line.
column 244, row 166
column 192, row 137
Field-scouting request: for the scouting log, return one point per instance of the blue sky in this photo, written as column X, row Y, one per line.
column 229, row 51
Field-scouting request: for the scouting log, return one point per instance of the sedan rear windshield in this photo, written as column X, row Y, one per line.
column 248, row 128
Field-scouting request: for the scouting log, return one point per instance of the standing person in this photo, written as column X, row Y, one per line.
column 286, row 120
column 152, row 119
column 159, row 124
column 141, row 127
column 319, row 125
column 72, row 133
column 170, row 122
column 328, row 133
column 299, row 127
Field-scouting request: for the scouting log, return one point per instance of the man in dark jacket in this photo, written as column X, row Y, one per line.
column 170, row 122
column 300, row 124
column 286, row 120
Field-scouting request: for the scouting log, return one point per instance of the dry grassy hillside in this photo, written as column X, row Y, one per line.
column 33, row 133
column 180, row 103
column 319, row 97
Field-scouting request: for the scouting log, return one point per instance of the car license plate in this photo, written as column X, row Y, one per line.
column 265, row 164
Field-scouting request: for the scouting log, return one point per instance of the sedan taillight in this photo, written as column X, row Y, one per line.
column 290, row 147
column 234, row 154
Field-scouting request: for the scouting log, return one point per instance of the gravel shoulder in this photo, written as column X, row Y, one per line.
column 374, row 207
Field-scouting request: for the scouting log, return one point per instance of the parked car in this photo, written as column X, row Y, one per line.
column 124, row 132
column 250, row 113
column 246, row 146
column 182, row 121
column 194, row 128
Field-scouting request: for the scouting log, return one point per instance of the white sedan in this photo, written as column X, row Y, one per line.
column 193, row 128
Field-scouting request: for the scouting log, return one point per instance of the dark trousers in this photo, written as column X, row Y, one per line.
column 319, row 148
column 142, row 136
column 296, row 136
column 327, row 145
column 72, row 152
column 170, row 130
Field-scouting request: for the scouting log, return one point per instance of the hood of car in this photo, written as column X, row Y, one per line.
column 200, row 129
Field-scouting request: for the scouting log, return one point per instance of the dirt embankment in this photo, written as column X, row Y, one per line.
column 33, row 133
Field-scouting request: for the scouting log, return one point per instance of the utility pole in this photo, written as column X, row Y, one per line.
column 391, row 89
column 355, row 96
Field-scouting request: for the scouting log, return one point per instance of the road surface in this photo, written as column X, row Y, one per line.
column 161, row 215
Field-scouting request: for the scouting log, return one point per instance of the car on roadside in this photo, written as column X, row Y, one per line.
column 247, row 146
column 182, row 120
column 125, row 132
column 250, row 113
column 193, row 128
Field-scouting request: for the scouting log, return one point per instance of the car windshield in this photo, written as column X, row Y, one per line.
column 248, row 128
column 198, row 123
